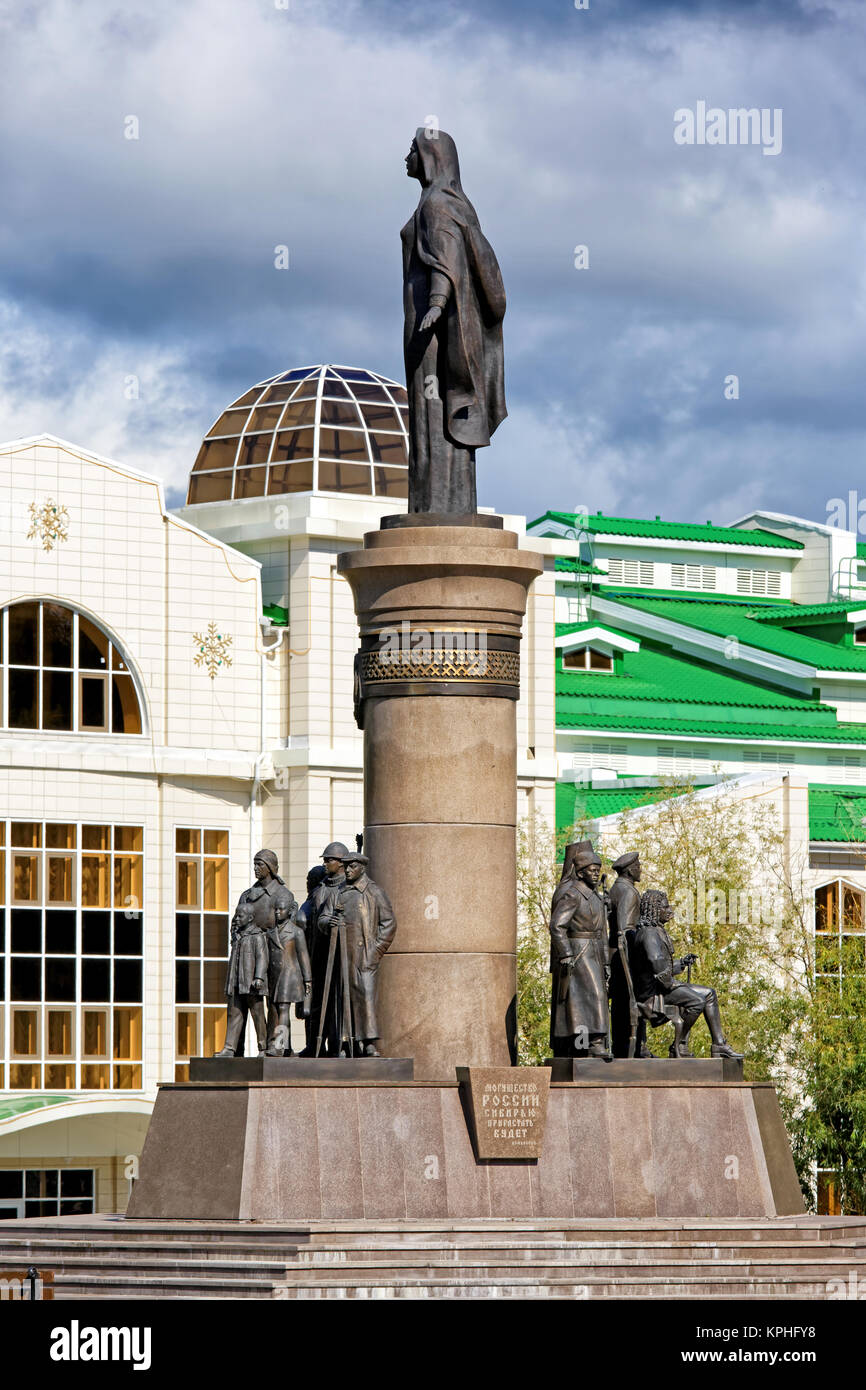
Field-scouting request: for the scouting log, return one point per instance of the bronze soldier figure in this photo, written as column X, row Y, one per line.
column 628, row 1029
column 578, row 959
column 324, row 899
column 246, row 980
column 363, row 920
column 305, row 916
column 657, row 989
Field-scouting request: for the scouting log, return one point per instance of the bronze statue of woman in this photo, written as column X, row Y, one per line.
column 454, row 304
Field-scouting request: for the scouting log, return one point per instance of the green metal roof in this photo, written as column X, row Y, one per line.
column 574, row 566
column 730, row 620
column 599, row 524
column 673, row 680
column 803, row 729
column 277, row 615
column 837, row 813
column 577, row 801
column 791, row 616
column 861, row 550
column 13, row 1106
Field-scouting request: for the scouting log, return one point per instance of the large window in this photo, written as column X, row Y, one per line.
column 201, row 943
column 839, row 932
column 71, row 955
column 62, row 673
column 46, row 1192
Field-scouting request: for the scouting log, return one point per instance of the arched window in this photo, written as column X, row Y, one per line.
column 63, row 673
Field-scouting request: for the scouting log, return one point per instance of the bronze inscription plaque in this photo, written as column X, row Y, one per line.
column 508, row 1106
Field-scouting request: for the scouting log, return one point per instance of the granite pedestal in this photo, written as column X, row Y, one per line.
column 308, row 1150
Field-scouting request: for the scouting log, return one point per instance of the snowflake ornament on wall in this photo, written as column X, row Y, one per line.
column 49, row 523
column 213, row 650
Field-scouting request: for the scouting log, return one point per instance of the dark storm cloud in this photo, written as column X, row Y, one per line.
column 153, row 258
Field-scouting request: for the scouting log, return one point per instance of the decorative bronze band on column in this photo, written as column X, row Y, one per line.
column 437, row 661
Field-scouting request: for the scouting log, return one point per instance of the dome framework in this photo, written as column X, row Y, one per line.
column 325, row 429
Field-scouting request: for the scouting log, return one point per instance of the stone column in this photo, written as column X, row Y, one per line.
column 440, row 602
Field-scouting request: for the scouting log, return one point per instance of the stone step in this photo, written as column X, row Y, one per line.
column 493, row 1231
column 585, row 1253
column 336, row 1264
column 711, row 1287
column 46, row 1250
column 58, row 1252
column 816, row 1271
column 129, row 1285
column 111, row 1263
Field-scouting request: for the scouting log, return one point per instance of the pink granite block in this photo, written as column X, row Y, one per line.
column 466, row 1181
column 592, row 1173
column 339, row 1138
column 630, row 1154
column 282, row 1183
column 382, row 1120
column 510, row 1191
column 676, row 1155
column 423, row 1143
column 714, row 1180
column 754, row 1194
column 550, row 1178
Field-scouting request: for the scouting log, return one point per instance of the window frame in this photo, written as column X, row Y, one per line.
column 839, row 933
column 118, row 664
column 201, row 1008
column 587, row 668
column 117, row 1018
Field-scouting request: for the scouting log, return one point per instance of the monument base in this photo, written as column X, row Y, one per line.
column 298, row 1150
column 301, row 1069
column 632, row 1069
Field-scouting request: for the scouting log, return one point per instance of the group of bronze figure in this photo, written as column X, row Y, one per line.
column 614, row 966
column 322, row 956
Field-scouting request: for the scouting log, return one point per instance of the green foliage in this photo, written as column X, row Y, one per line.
column 743, row 906
column 537, row 875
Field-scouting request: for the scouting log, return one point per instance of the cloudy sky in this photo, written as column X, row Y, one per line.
column 264, row 123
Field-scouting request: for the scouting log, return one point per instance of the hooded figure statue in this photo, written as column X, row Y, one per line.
column 454, row 304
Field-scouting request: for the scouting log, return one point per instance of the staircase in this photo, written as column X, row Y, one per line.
column 106, row 1257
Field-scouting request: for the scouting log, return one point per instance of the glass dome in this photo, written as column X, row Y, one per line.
column 322, row 429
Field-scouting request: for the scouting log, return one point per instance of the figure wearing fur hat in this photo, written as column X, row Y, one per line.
column 578, row 958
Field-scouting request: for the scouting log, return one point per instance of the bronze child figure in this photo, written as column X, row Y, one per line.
column 246, row 980
column 289, row 978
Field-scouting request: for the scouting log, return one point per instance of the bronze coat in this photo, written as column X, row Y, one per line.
column 289, row 962
column 319, row 903
column 623, row 919
column 578, row 928
column 369, row 931
column 261, row 898
column 248, row 961
column 625, row 907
